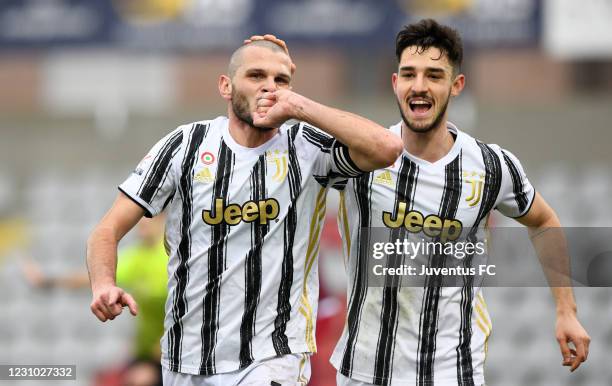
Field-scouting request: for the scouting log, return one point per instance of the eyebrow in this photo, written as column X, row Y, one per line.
column 251, row 71
column 428, row 69
column 254, row 71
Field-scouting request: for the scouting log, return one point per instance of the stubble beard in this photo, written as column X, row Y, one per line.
column 424, row 129
column 240, row 106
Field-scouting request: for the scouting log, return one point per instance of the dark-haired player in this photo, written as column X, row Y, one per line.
column 433, row 334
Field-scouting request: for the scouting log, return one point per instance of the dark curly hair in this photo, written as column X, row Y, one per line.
column 429, row 33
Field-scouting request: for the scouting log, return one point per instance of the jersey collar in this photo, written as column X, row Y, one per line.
column 243, row 150
column 448, row 158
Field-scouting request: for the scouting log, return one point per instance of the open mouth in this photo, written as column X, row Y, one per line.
column 420, row 106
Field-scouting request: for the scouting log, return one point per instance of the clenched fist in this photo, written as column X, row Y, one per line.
column 276, row 107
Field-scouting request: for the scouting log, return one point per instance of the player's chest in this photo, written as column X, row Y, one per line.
column 232, row 188
column 415, row 197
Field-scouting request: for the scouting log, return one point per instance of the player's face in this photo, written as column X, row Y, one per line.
column 262, row 70
column 423, row 86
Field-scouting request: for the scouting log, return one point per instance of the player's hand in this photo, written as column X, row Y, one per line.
column 275, row 108
column 569, row 330
column 280, row 42
column 108, row 302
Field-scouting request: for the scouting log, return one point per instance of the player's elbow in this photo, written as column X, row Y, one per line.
column 388, row 149
column 101, row 234
column 395, row 148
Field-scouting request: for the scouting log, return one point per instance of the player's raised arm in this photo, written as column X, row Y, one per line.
column 550, row 244
column 370, row 145
column 108, row 299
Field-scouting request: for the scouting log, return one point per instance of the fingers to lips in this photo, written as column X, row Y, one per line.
column 267, row 95
column 264, row 102
column 261, row 114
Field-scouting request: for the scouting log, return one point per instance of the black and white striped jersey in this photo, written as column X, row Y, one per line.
column 242, row 228
column 429, row 335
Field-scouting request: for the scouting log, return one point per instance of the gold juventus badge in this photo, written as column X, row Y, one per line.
column 279, row 160
column 476, row 180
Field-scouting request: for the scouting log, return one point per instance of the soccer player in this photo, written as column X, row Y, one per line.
column 433, row 334
column 244, row 197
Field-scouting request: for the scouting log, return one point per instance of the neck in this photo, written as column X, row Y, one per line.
column 429, row 146
column 247, row 135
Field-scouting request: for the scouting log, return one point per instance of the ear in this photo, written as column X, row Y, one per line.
column 225, row 87
column 458, row 85
column 394, row 82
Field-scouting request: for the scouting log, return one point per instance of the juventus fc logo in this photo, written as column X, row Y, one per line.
column 279, row 160
column 476, row 180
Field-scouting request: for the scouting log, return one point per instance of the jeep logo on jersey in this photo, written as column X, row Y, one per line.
column 262, row 211
column 415, row 222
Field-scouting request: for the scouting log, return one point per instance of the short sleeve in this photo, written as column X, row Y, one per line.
column 333, row 164
column 516, row 193
column 153, row 183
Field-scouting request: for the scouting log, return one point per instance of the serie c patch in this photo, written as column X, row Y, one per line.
column 207, row 158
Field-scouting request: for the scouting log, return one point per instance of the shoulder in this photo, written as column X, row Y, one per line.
column 480, row 149
column 493, row 157
column 472, row 144
column 503, row 154
column 478, row 155
column 199, row 131
column 214, row 124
